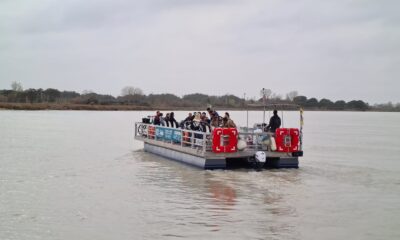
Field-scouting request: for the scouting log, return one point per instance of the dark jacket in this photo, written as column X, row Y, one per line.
column 173, row 121
column 274, row 123
column 166, row 119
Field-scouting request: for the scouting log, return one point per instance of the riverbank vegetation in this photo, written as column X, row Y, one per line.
column 134, row 99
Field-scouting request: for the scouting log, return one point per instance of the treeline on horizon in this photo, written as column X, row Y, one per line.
column 135, row 96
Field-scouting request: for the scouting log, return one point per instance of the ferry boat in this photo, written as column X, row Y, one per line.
column 225, row 148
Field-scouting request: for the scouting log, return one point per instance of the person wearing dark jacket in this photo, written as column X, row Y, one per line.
column 189, row 118
column 274, row 122
column 157, row 118
column 172, row 120
column 166, row 119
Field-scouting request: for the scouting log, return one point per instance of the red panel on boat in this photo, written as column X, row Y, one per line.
column 287, row 139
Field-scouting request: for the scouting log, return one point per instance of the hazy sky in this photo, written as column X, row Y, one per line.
column 335, row 49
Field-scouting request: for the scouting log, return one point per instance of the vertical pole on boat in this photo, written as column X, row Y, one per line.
column 247, row 120
column 136, row 129
column 263, row 96
column 264, row 115
column 182, row 137
column 247, row 112
column 301, row 128
column 204, row 142
column 192, row 142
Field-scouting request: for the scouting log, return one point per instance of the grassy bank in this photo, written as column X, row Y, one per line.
column 70, row 106
column 93, row 107
column 123, row 107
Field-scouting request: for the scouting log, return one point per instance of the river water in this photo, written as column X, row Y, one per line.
column 80, row 175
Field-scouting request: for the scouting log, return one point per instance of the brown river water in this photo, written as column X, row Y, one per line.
column 80, row 175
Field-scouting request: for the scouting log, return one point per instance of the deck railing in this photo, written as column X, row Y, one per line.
column 174, row 136
column 196, row 139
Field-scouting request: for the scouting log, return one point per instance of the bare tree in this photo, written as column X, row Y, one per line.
column 265, row 93
column 131, row 91
column 276, row 96
column 87, row 92
column 291, row 95
column 16, row 86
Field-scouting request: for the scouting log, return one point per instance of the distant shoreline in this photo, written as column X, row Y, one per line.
column 71, row 106
column 120, row 107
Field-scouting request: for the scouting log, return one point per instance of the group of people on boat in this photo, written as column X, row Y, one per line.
column 168, row 120
column 197, row 121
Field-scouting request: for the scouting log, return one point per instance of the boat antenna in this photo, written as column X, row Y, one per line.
column 263, row 94
column 247, row 112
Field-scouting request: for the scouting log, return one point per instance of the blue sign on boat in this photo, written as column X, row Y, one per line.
column 160, row 133
column 168, row 134
column 177, row 136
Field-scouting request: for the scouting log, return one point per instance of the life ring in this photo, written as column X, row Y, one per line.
column 287, row 139
column 229, row 144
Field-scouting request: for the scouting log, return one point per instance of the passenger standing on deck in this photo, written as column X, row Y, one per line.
column 205, row 121
column 204, row 117
column 228, row 122
column 172, row 120
column 196, row 123
column 185, row 123
column 214, row 117
column 162, row 120
column 157, row 118
column 189, row 118
column 166, row 119
column 274, row 122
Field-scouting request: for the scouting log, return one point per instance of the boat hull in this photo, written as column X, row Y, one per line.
column 186, row 158
column 204, row 162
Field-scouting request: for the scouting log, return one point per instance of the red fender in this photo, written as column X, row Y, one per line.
column 287, row 139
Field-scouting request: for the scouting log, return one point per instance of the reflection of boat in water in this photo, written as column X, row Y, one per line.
column 225, row 147
column 223, row 193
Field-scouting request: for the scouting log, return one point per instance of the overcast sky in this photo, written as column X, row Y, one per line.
column 335, row 49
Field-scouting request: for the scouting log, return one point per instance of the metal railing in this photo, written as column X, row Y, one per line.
column 257, row 141
column 174, row 136
column 201, row 140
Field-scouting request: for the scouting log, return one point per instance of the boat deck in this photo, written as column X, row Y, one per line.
column 195, row 148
